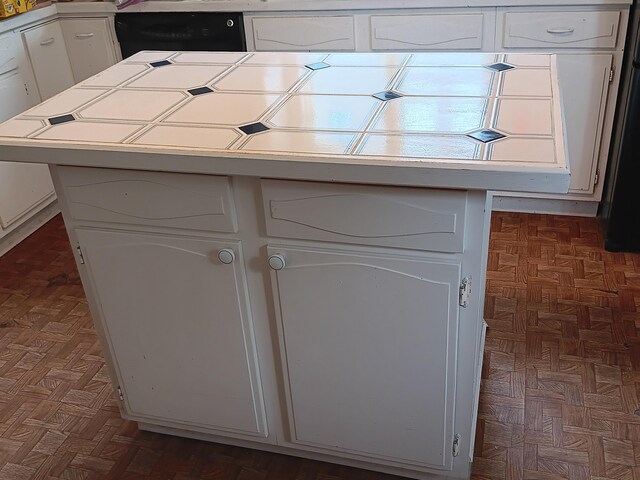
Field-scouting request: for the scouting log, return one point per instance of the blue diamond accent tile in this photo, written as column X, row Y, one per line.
column 499, row 67
column 317, row 66
column 199, row 90
column 388, row 95
column 61, row 119
column 254, row 128
column 486, row 136
column 160, row 63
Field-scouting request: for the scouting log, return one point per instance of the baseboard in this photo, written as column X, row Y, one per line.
column 14, row 237
column 545, row 205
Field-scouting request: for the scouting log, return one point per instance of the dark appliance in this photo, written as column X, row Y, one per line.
column 201, row 31
column 620, row 206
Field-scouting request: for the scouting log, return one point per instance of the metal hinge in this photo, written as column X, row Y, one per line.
column 80, row 254
column 465, row 291
column 120, row 396
column 612, row 74
column 596, row 178
column 456, row 444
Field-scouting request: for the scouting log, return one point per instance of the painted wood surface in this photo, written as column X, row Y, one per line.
column 146, row 198
column 180, row 327
column 407, row 218
column 369, row 349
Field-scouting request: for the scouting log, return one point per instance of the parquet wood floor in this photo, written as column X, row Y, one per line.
column 560, row 394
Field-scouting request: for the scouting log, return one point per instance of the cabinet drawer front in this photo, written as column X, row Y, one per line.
column 420, row 32
column 561, row 29
column 421, row 219
column 198, row 202
column 304, row 33
column 89, row 46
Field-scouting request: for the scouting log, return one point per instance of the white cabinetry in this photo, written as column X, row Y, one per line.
column 23, row 187
column 90, row 45
column 357, row 341
column 369, row 347
column 179, row 324
column 321, row 33
column 49, row 58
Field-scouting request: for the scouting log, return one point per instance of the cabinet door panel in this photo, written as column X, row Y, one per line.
column 369, row 352
column 585, row 103
column 89, row 46
column 304, row 33
column 49, row 59
column 180, row 328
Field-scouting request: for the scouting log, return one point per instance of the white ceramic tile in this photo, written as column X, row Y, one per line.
column 515, row 149
column 367, row 59
column 66, row 102
column 432, row 115
column 190, row 137
column 350, row 80
column 255, row 78
column 447, row 81
column 529, row 60
column 209, row 57
column 301, row 142
column 452, row 59
column 90, row 132
column 178, row 76
column 421, row 146
column 149, row 56
column 524, row 116
column 223, row 108
column 20, row 127
column 116, row 75
column 285, row 58
column 527, row 82
column 325, row 113
column 132, row 105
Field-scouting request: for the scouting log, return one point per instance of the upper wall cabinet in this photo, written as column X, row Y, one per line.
column 90, row 46
column 303, row 33
column 49, row 58
column 561, row 29
column 433, row 32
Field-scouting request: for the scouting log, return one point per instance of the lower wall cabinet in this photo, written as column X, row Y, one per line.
column 350, row 350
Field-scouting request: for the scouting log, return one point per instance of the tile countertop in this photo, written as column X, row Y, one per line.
column 483, row 121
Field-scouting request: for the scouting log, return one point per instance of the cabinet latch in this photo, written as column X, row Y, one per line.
column 465, row 292
column 612, row 74
column 456, row 445
column 120, row 395
column 80, row 256
column 596, row 179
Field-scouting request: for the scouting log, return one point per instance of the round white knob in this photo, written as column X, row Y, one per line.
column 276, row 262
column 230, row 23
column 226, row 256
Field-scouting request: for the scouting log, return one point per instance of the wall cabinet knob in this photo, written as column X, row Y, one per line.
column 226, row 256
column 276, row 262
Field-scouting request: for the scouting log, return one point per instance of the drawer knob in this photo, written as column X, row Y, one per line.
column 276, row 262
column 560, row 31
column 226, row 256
column 230, row 23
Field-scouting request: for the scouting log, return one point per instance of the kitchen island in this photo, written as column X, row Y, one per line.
column 288, row 251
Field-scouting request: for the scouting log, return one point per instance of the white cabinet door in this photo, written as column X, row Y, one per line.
column 89, row 46
column 179, row 326
column 368, row 346
column 304, row 33
column 49, row 58
column 22, row 186
column 584, row 81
